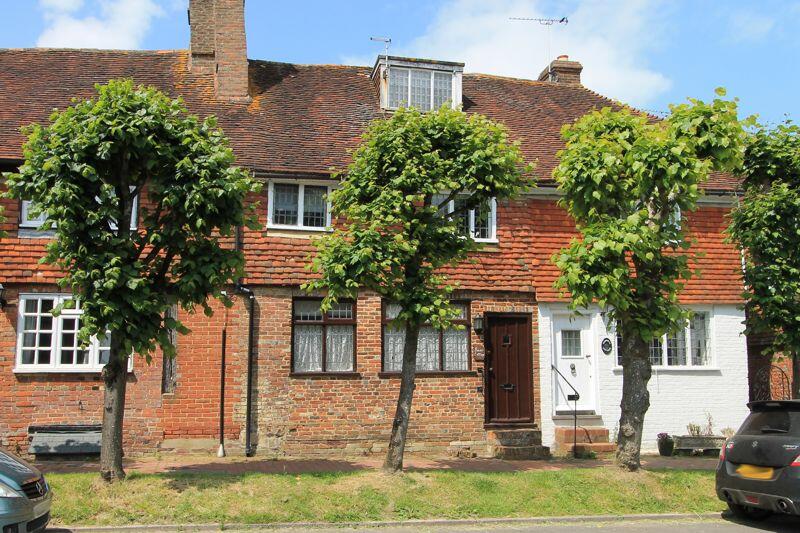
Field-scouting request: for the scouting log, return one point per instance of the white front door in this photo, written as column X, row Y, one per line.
column 575, row 360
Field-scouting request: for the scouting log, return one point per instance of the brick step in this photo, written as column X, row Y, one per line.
column 596, row 447
column 514, row 437
column 517, row 453
column 585, row 434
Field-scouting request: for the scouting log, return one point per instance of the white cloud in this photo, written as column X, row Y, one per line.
column 111, row 24
column 747, row 26
column 610, row 38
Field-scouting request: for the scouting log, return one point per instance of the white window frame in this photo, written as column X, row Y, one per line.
column 55, row 366
column 710, row 352
column 492, row 220
column 26, row 222
column 300, row 205
column 408, row 87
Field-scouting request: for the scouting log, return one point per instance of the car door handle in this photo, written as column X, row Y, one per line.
column 508, row 386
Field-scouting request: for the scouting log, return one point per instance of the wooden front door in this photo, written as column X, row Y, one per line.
column 509, row 369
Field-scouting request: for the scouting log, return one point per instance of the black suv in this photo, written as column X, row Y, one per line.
column 759, row 467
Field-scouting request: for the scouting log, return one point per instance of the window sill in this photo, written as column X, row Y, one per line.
column 435, row 374
column 325, row 375
column 60, row 371
column 295, row 232
column 676, row 369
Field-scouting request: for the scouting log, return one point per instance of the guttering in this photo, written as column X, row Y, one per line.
column 241, row 288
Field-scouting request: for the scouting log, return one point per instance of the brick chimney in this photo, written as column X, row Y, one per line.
column 562, row 70
column 219, row 46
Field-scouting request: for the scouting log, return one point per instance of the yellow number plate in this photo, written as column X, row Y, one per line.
column 755, row 472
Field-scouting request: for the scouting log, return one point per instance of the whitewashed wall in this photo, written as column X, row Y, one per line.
column 677, row 396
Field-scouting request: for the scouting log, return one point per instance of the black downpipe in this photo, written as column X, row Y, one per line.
column 241, row 288
column 222, row 391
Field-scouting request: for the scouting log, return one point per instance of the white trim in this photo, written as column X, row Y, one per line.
column 26, row 223
column 492, row 239
column 300, row 200
column 455, row 87
column 706, row 198
column 55, row 366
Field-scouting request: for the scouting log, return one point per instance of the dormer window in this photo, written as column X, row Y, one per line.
column 419, row 83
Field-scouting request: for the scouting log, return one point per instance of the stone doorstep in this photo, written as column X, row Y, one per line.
column 596, row 447
column 584, row 434
column 514, row 437
column 517, row 453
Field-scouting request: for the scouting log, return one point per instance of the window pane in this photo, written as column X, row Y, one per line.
column 284, row 205
column 307, row 310
column 67, row 357
column 656, row 352
column 619, row 349
column 421, row 90
column 308, row 348
column 676, row 349
column 571, row 343
column 339, row 344
column 442, row 89
column 392, row 310
column 83, row 357
column 428, row 349
column 47, row 305
column 462, row 218
column 393, row 342
column 341, row 311
column 456, row 349
column 462, row 311
column 27, row 357
column 483, row 222
column 314, row 206
column 31, row 306
column 44, row 357
column 699, row 335
column 398, row 87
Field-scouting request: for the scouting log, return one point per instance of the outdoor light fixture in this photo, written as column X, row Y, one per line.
column 477, row 324
column 2, row 300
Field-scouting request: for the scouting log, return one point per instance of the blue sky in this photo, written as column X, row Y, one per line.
column 645, row 52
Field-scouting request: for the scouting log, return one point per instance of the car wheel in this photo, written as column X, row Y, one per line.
column 748, row 513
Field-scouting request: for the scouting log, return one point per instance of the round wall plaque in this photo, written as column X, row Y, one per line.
column 607, row 346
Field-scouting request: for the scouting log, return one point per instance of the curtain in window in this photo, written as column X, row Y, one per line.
column 339, row 345
column 462, row 218
column 456, row 350
column 656, row 352
column 393, row 342
column 699, row 335
column 483, row 221
column 314, row 206
column 284, row 204
column 398, row 87
column 307, row 348
column 428, row 350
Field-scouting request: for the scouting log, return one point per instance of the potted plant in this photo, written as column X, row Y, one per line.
column 665, row 444
column 700, row 438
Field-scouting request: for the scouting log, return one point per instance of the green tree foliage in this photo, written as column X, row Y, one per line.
column 398, row 233
column 766, row 224
column 84, row 170
column 624, row 178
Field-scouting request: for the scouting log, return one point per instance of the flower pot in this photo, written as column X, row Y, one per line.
column 699, row 442
column 665, row 447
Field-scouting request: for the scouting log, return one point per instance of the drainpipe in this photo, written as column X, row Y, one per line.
column 221, row 451
column 243, row 289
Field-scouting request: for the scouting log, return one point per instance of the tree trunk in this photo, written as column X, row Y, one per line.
column 397, row 442
column 795, row 376
column 636, row 373
column 115, row 377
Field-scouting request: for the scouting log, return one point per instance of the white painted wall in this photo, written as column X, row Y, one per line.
column 677, row 396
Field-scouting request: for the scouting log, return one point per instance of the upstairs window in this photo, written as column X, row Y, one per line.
column 46, row 343
column 422, row 89
column 479, row 223
column 298, row 206
column 28, row 221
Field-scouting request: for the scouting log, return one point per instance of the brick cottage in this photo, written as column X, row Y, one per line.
column 326, row 384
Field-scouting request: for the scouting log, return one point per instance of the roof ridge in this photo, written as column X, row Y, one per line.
column 44, row 49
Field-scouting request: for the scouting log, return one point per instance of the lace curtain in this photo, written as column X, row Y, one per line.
column 308, row 348
column 339, row 348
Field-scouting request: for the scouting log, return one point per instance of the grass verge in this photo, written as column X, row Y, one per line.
column 81, row 499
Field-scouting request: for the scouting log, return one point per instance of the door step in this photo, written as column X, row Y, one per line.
column 596, row 447
column 517, row 453
column 516, row 444
column 589, row 439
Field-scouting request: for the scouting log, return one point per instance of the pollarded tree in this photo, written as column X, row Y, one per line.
column 84, row 171
column 623, row 179
column 398, row 230
column 766, row 224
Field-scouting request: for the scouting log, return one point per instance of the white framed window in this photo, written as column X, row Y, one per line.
column 46, row 343
column 298, row 205
column 687, row 348
column 31, row 222
column 419, row 88
column 479, row 223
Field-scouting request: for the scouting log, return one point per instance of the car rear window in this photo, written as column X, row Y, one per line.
column 775, row 422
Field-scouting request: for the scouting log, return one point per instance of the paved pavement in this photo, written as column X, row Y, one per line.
column 236, row 464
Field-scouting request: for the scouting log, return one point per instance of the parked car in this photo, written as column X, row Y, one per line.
column 25, row 496
column 759, row 467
